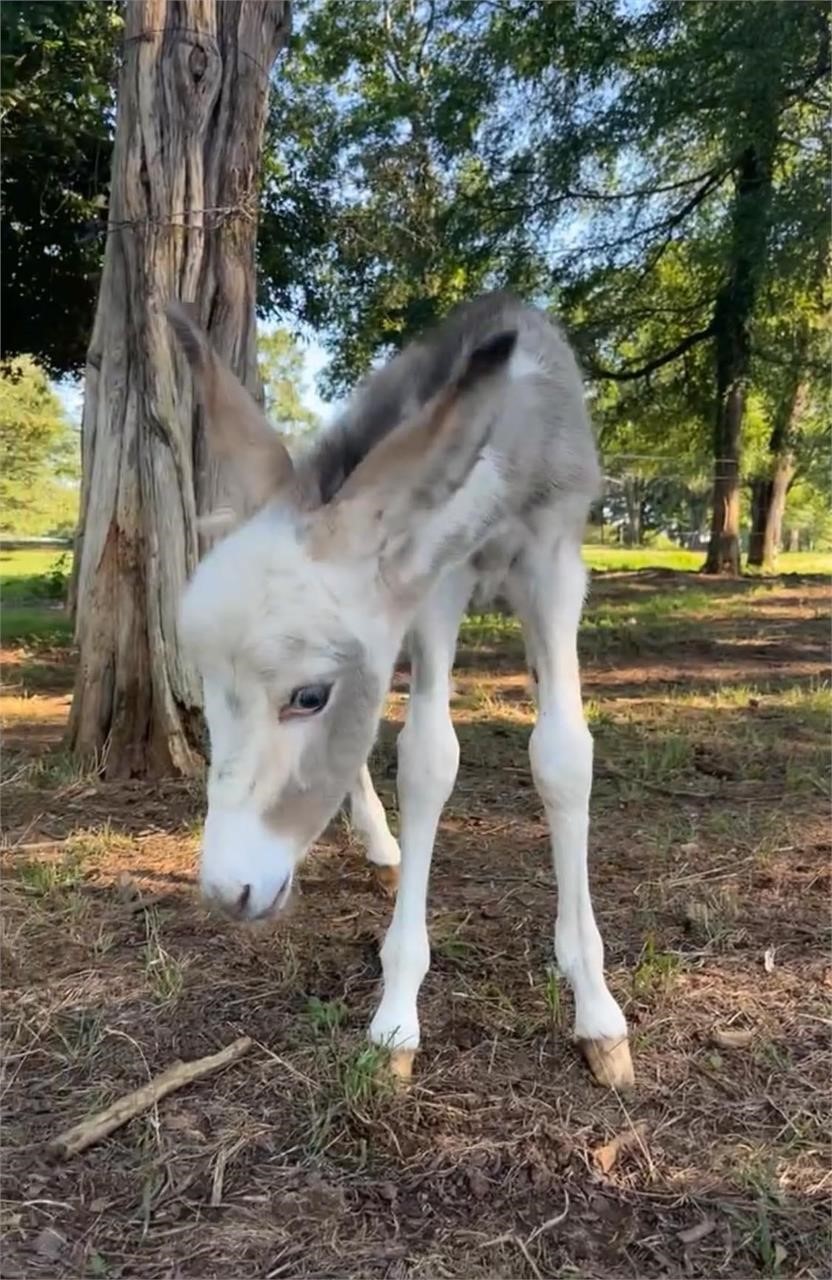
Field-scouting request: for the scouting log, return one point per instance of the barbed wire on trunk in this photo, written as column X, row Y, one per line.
column 216, row 216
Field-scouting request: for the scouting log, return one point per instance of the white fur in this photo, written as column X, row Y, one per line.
column 369, row 820
column 428, row 753
column 238, row 850
column 523, row 365
column 278, row 590
column 548, row 597
column 270, row 608
column 249, row 601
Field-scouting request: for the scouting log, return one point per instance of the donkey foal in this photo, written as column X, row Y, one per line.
column 467, row 464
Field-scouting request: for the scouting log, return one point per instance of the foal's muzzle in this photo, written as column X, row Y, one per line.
column 243, row 908
column 245, row 869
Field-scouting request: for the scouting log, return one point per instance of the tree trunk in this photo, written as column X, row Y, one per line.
column 634, row 500
column 794, row 540
column 182, row 223
column 732, row 323
column 724, row 548
column 768, row 503
column 768, row 493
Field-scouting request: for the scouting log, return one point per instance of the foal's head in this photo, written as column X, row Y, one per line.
column 295, row 618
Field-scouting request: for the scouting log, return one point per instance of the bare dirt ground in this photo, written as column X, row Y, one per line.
column 711, row 875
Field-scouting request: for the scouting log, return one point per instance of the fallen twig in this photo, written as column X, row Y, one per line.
column 510, row 1237
column 686, row 793
column 102, row 1123
column 698, row 1232
column 34, row 847
column 552, row 1222
column 146, row 904
column 732, row 1037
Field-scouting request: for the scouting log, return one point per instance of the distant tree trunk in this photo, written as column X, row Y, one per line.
column 633, row 496
column 768, row 493
column 732, row 371
column 191, row 108
column 732, row 324
column 794, row 540
column 768, row 503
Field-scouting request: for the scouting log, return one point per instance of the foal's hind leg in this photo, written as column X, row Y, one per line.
column 547, row 589
column 369, row 820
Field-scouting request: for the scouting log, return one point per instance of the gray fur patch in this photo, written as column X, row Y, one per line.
column 332, row 761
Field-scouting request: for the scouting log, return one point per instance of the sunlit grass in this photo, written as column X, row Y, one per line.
column 630, row 559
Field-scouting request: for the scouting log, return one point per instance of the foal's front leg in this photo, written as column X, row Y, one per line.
column 547, row 589
column 428, row 756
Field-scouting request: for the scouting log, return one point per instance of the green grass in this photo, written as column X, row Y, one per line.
column 32, row 583
column 655, row 971
column 165, row 975
column 30, row 563
column 46, row 878
column 33, row 574
column 628, row 559
column 32, row 588
column 39, row 627
column 325, row 1016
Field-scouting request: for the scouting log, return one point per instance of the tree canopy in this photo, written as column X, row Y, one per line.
column 657, row 174
column 58, row 71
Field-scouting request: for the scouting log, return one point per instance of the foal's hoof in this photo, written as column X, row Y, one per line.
column 609, row 1061
column 387, row 879
column 401, row 1067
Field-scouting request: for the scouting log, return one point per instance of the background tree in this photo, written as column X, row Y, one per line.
column 182, row 223
column 791, row 369
column 39, row 457
column 566, row 151
column 371, row 149
column 657, row 175
column 280, row 366
column 58, row 65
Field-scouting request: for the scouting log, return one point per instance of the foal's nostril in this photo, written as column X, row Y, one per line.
column 242, row 901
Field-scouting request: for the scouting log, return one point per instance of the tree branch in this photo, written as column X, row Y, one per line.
column 656, row 189
column 629, row 375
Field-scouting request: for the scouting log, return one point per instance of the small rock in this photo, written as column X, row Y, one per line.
column 478, row 1184
column 50, row 1244
column 698, row 1232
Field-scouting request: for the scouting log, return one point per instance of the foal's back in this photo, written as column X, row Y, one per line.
column 540, row 430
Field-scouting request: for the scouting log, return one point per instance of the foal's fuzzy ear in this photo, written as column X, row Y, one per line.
column 238, row 434
column 423, row 497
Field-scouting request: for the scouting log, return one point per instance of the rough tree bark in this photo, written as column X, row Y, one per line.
column 182, row 223
column 732, row 334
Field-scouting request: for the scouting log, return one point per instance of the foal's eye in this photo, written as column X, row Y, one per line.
column 306, row 700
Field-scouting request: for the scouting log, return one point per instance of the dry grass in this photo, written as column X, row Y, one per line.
column 711, row 880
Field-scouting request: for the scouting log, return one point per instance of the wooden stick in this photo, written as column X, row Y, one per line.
column 102, row 1123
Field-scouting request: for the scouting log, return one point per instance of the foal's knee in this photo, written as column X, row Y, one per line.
column 428, row 755
column 560, row 754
